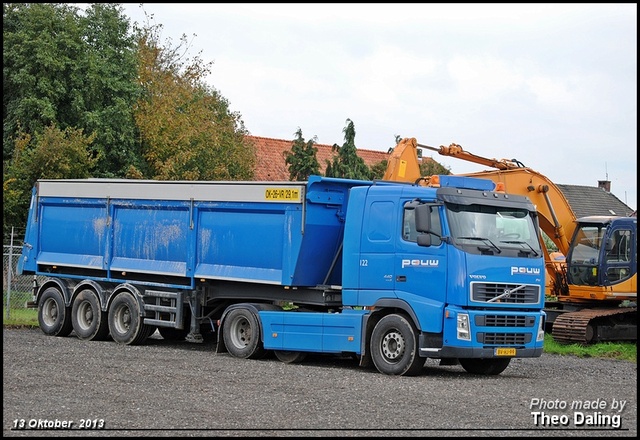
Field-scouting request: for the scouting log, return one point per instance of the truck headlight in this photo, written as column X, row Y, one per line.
column 464, row 332
column 540, row 336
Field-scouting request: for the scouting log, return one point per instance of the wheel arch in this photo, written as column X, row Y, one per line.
column 252, row 307
column 126, row 287
column 64, row 286
column 380, row 309
column 96, row 287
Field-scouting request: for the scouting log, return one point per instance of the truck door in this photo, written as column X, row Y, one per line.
column 377, row 246
column 421, row 270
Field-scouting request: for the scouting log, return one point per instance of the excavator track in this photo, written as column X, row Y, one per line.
column 594, row 325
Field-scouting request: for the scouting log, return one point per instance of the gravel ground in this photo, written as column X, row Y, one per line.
column 168, row 388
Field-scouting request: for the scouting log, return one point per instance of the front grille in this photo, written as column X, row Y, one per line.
column 503, row 338
column 505, row 321
column 519, row 293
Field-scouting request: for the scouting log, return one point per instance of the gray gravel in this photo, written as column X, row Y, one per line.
column 167, row 388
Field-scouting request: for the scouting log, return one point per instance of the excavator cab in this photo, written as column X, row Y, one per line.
column 602, row 254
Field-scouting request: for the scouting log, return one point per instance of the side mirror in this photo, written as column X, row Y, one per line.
column 424, row 240
column 423, row 218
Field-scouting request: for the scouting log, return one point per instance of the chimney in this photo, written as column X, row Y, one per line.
column 605, row 185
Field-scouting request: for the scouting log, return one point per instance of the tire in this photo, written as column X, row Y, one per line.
column 241, row 333
column 125, row 323
column 487, row 367
column 394, row 347
column 88, row 320
column 53, row 317
column 290, row 357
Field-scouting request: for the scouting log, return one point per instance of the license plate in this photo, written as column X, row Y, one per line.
column 505, row 352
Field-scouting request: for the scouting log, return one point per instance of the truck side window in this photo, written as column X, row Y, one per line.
column 409, row 232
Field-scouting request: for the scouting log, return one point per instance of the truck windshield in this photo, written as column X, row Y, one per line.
column 493, row 229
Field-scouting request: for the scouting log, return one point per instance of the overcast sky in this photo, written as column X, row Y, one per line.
column 551, row 85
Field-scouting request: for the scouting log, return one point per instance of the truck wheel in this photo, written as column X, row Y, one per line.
column 489, row 367
column 394, row 347
column 290, row 357
column 53, row 317
column 88, row 320
column 241, row 332
column 125, row 323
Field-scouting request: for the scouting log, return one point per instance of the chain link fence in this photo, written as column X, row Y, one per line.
column 17, row 290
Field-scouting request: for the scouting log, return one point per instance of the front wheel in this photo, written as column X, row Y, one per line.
column 241, row 332
column 488, row 367
column 394, row 347
column 88, row 320
column 125, row 323
column 53, row 317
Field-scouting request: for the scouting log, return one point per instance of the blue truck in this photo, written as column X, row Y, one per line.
column 386, row 272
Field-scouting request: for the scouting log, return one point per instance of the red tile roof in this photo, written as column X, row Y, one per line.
column 271, row 165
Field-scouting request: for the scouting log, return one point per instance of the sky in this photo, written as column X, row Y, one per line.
column 551, row 85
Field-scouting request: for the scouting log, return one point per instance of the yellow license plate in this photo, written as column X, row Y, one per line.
column 505, row 352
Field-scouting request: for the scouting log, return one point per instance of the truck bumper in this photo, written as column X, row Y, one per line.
column 483, row 353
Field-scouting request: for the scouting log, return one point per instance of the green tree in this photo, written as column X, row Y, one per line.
column 72, row 71
column 347, row 164
column 378, row 169
column 186, row 127
column 40, row 46
column 108, row 68
column 51, row 154
column 302, row 158
column 430, row 167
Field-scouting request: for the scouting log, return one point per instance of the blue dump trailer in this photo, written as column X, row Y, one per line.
column 389, row 273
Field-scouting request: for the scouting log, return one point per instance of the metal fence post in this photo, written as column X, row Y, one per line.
column 9, row 275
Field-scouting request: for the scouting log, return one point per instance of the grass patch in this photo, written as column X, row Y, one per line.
column 626, row 351
column 20, row 318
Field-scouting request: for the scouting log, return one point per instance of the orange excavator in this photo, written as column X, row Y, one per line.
column 591, row 275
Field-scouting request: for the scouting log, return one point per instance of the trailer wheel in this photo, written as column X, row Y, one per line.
column 125, row 323
column 53, row 317
column 290, row 357
column 489, row 367
column 88, row 320
column 394, row 347
column 241, row 332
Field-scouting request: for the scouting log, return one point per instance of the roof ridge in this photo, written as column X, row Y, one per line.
column 315, row 143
